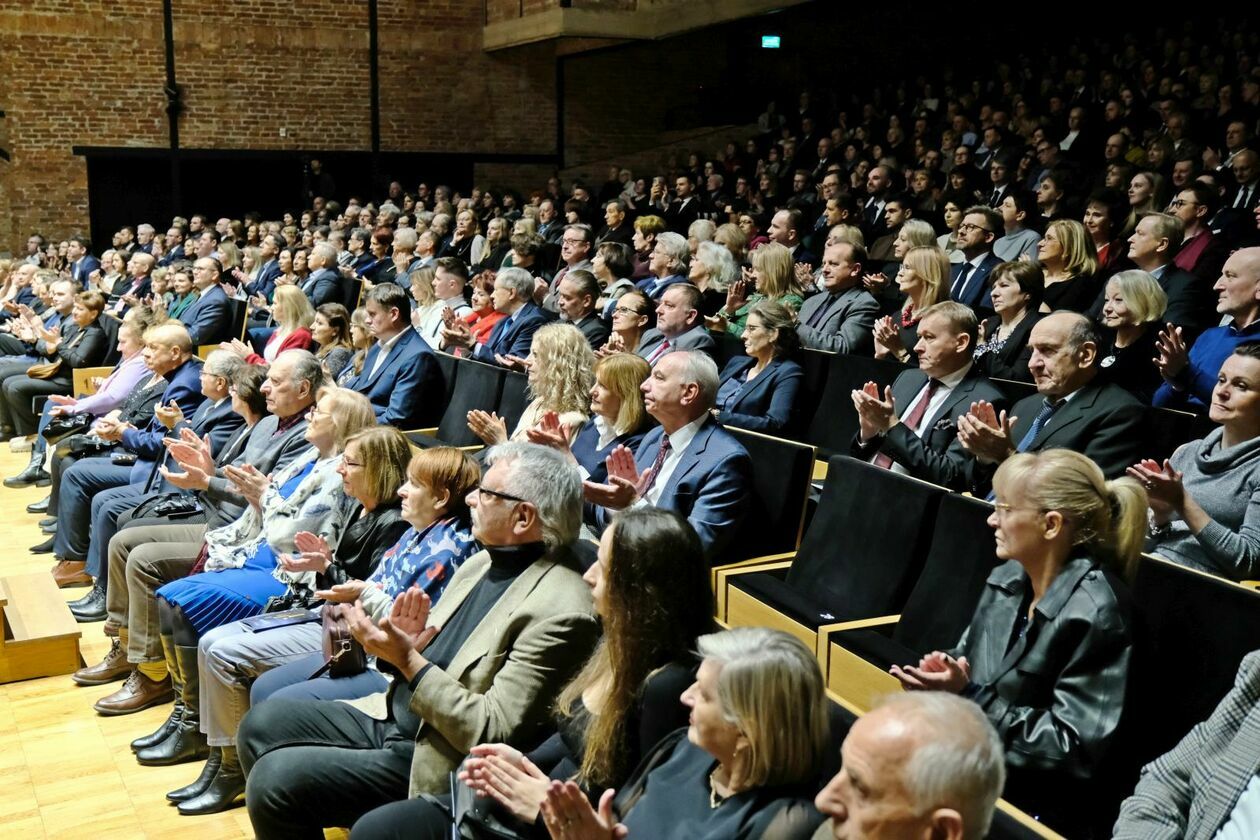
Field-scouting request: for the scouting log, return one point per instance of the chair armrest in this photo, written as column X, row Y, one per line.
column 853, row 678
column 431, row 432
column 204, row 350
column 752, row 561
column 820, row 471
column 857, row 624
column 471, row 449
column 722, row 575
column 1024, row 819
column 1250, row 584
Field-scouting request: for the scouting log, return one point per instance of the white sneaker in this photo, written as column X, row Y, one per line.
column 20, row 444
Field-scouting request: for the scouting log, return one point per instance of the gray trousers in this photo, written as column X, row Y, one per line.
column 231, row 657
column 145, row 557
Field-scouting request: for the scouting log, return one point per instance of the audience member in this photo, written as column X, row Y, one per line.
column 1002, row 350
column 400, row 374
column 922, row 279
column 758, row 390
column 679, row 326
column 1135, row 305
column 511, row 337
column 842, row 319
column 771, row 278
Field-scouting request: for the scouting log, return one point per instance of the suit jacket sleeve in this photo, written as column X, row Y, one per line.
column 414, row 376
column 325, row 291
column 855, row 333
column 521, row 691
column 722, row 502
column 778, row 414
column 1160, row 805
column 948, row 468
column 1117, row 440
column 212, row 319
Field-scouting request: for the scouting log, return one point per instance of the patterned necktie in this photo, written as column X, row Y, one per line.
column 912, row 422
column 660, row 350
column 1047, row 410
column 657, row 463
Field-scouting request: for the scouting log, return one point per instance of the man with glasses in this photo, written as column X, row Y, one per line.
column 1152, row 246
column 148, row 552
column 975, row 238
column 575, row 253
column 1202, row 252
column 516, row 623
column 209, row 319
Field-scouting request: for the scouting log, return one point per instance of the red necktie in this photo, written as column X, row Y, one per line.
column 912, row 422
column 661, row 350
column 658, row 463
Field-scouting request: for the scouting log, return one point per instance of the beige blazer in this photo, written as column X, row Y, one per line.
column 501, row 684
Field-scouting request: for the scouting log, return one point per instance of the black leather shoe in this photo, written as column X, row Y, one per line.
column 184, row 744
column 91, row 607
column 46, row 547
column 39, row 507
column 224, row 792
column 202, row 783
column 48, row 520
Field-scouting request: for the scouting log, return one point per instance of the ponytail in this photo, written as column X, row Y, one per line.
column 1128, row 504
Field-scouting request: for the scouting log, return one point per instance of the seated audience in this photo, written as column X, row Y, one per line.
column 576, row 296
column 920, row 439
column 884, row 788
column 842, row 318
column 667, row 263
column 209, row 318
column 1190, row 374
column 632, row 316
column 1205, row 787
column 1202, row 252
column 1019, row 240
column 483, row 679
column 759, row 711
column 1205, row 500
column 1072, row 408
column 400, row 374
column 649, row 577
column 713, row 270
column 449, row 277
column 1132, row 312
column 612, row 266
column 331, row 332
column 361, row 341
column 758, row 390
column 679, row 325
column 1052, row 627
column 293, row 316
column 1070, row 267
column 1002, row 350
column 689, row 464
column 1151, row 248
column 772, row 277
column 514, row 297
column 975, row 236
column 922, row 279
column 1105, row 211
column 482, row 315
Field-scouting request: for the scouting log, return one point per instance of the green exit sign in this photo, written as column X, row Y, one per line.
column 770, row 42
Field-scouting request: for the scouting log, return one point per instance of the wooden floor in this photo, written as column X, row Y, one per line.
column 64, row 770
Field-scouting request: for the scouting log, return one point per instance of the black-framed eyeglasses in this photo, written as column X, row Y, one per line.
column 1177, row 202
column 966, row 226
column 487, row 491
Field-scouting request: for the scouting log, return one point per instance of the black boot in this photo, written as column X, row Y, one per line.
column 224, row 792
column 46, row 547
column 160, row 734
column 34, row 474
column 39, row 507
column 202, row 782
column 91, row 607
column 185, row 743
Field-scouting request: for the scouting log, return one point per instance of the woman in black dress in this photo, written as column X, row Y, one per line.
column 1132, row 313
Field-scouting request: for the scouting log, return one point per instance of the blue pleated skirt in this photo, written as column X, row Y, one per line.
column 212, row 599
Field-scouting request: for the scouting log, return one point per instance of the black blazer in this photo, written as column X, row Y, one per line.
column 76, row 352
column 768, row 402
column 1011, row 362
column 1055, row 694
column 364, row 541
column 1191, row 304
column 937, row 457
column 1131, row 367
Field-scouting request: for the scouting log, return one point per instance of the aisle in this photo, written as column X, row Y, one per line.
column 64, row 770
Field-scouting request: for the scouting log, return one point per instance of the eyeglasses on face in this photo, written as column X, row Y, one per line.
column 486, row 491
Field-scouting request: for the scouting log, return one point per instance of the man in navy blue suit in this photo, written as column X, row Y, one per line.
column 324, row 284
column 511, row 338
column 667, row 263
column 689, row 464
column 168, row 352
column 976, row 235
column 400, row 373
column 82, row 263
column 264, row 283
column 209, row 320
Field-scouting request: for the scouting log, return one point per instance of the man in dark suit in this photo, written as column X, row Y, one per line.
column 82, row 263
column 575, row 255
column 878, row 184
column 209, row 319
column 787, row 227
column 174, row 247
column 264, row 283
column 139, row 266
column 400, row 373
column 689, row 464
column 511, row 338
column 1206, row 785
column 578, row 292
column 913, row 428
column 1071, row 409
column 980, row 228
column 324, row 284
column 679, row 326
column 842, row 318
column 1152, row 247
column 168, row 352
column 616, row 226
column 684, row 209
column 667, row 264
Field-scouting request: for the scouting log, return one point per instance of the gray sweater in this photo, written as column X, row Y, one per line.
column 1226, row 484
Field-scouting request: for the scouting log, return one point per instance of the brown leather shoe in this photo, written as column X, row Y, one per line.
column 110, row 669
column 138, row 692
column 69, row 573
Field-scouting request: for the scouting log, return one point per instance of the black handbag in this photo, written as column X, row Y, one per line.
column 167, row 506
column 66, row 425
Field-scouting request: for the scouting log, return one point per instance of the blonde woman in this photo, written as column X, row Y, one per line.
column 561, row 373
column 426, row 303
column 1133, row 310
column 467, row 243
column 1070, row 262
column 711, row 271
column 924, row 280
column 294, row 316
column 361, row 340
column 915, row 233
column 772, row 277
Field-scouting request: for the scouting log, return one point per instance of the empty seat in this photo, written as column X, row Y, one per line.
column 781, row 485
column 834, row 421
column 480, row 386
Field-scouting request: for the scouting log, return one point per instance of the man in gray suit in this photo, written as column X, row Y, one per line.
column 1207, row 786
column 842, row 319
column 679, row 325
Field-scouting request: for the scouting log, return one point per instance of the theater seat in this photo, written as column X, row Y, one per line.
column 834, row 421
column 937, row 612
column 513, row 398
column 480, row 386
column 859, row 558
column 782, row 471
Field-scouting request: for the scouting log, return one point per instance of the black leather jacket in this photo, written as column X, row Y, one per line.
column 1054, row 693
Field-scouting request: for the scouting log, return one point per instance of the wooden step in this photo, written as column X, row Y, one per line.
column 41, row 637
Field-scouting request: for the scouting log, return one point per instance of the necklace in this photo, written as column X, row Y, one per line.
column 714, row 799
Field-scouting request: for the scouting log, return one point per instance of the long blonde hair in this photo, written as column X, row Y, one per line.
column 565, row 366
column 1108, row 518
column 292, row 308
column 773, row 263
column 932, row 266
column 1080, row 257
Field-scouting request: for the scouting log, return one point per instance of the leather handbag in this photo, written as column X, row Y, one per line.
column 343, row 655
column 44, row 370
column 62, row 427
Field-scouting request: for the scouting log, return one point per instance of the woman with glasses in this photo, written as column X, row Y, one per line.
column 758, row 390
column 631, row 316
column 1070, row 265
column 1052, row 627
column 772, row 277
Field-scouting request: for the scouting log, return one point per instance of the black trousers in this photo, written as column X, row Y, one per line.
column 411, row 819
column 316, row 764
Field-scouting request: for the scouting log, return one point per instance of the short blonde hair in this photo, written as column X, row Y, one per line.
column 773, row 263
column 351, row 412
column 623, row 374
column 771, row 688
column 1145, row 299
column 292, row 308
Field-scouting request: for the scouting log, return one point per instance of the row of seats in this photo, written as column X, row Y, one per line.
column 868, row 590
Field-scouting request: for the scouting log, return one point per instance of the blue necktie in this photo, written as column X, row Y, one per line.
column 1047, row 410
